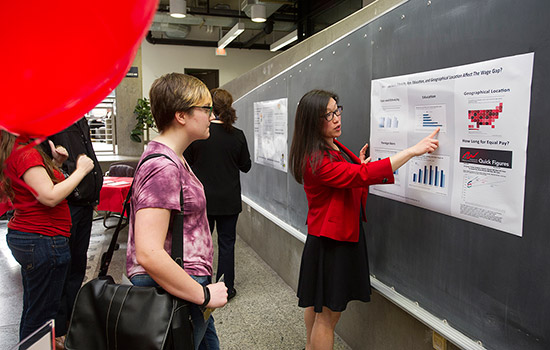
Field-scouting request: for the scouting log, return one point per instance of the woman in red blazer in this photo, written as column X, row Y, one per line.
column 334, row 268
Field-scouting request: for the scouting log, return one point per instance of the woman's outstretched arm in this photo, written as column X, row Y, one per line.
column 426, row 145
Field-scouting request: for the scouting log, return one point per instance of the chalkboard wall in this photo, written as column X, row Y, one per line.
column 493, row 286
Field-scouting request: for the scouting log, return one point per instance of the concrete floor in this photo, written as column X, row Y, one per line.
column 263, row 315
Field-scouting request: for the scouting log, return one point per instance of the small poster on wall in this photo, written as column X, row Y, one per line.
column 271, row 133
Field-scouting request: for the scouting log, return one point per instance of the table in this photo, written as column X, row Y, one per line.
column 112, row 195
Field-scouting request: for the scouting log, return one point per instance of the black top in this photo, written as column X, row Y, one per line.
column 216, row 162
column 76, row 139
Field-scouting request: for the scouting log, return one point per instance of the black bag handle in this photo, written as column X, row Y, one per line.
column 177, row 234
column 177, row 239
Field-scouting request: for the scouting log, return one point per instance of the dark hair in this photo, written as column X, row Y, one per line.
column 308, row 143
column 222, row 101
column 175, row 92
column 7, row 143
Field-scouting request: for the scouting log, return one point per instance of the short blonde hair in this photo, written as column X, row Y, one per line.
column 176, row 92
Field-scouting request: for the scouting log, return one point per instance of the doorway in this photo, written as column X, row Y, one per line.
column 210, row 77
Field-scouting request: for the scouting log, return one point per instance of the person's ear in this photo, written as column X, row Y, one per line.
column 181, row 117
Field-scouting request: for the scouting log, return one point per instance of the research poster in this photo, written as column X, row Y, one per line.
column 270, row 133
column 482, row 110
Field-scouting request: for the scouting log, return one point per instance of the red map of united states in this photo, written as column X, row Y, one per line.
column 483, row 117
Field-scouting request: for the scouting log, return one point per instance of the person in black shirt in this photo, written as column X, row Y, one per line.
column 76, row 139
column 217, row 161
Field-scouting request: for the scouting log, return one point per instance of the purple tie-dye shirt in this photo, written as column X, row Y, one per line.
column 157, row 185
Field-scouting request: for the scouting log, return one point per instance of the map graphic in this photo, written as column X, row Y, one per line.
column 484, row 117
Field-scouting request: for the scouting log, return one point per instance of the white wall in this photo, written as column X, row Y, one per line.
column 161, row 59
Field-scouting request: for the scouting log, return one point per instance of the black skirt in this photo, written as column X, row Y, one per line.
column 333, row 273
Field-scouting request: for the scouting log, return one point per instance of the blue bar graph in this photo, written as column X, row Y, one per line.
column 388, row 122
column 425, row 175
column 427, row 121
column 431, row 177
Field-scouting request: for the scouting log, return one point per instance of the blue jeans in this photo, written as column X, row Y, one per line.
column 204, row 332
column 44, row 264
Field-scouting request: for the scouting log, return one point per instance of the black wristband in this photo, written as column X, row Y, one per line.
column 206, row 296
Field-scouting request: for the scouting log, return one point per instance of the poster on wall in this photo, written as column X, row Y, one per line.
column 270, row 133
column 482, row 111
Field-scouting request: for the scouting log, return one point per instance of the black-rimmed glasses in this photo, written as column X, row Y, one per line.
column 207, row 109
column 330, row 115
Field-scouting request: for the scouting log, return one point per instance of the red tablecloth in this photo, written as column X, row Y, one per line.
column 113, row 193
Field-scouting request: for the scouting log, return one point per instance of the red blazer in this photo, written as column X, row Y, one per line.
column 336, row 190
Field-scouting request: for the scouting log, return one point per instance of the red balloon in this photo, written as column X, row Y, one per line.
column 61, row 58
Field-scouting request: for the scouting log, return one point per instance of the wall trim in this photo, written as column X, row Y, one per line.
column 294, row 232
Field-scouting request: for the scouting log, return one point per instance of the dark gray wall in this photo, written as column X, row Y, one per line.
column 489, row 284
column 377, row 325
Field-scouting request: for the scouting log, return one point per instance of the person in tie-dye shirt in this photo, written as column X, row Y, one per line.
column 182, row 108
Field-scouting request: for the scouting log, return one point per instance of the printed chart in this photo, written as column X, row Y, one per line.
column 484, row 117
column 430, row 117
column 385, row 153
column 429, row 173
column 484, row 198
column 481, row 189
column 388, row 122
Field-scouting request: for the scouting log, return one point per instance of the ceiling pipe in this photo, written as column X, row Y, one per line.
column 268, row 29
column 202, row 43
column 255, row 38
column 224, row 22
column 233, row 14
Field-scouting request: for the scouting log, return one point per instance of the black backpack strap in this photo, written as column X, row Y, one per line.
column 108, row 255
column 182, row 332
column 177, row 234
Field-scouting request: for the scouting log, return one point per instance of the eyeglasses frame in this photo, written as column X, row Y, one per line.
column 330, row 115
column 209, row 108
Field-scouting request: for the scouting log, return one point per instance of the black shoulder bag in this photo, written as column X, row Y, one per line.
column 108, row 316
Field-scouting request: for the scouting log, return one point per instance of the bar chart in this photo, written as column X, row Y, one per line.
column 427, row 118
column 388, row 122
column 429, row 122
column 429, row 173
column 379, row 154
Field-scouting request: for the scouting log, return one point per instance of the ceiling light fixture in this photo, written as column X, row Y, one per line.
column 178, row 8
column 231, row 35
column 284, row 41
column 257, row 13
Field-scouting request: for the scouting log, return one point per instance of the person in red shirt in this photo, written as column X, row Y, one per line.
column 38, row 233
column 334, row 268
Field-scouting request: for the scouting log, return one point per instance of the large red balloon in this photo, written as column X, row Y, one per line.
column 61, row 58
